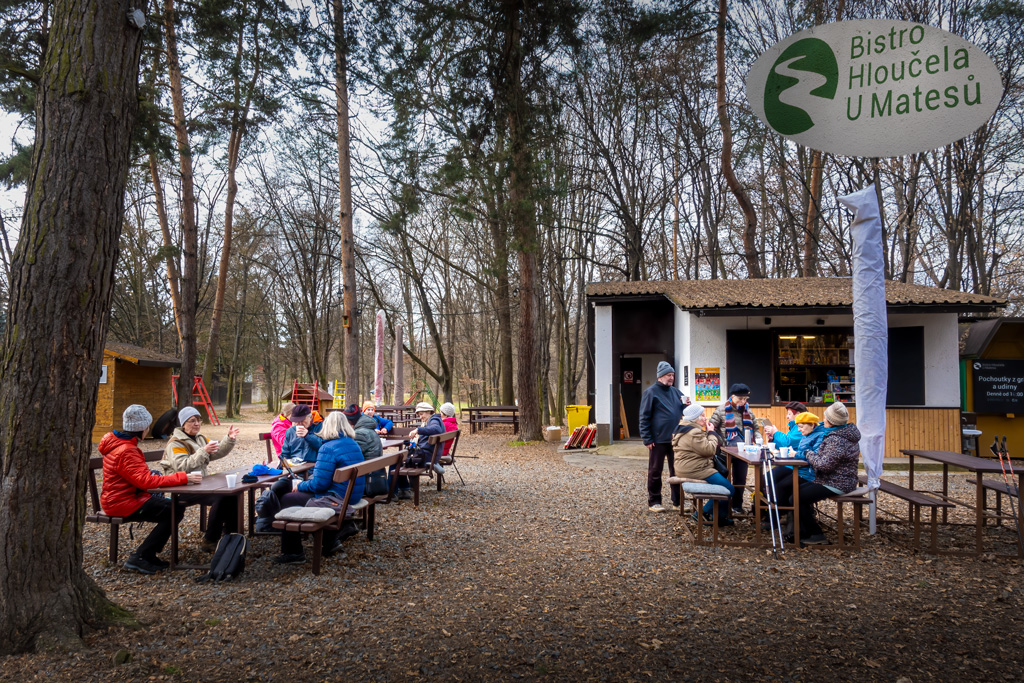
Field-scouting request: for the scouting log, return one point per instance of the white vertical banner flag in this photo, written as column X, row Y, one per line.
column 870, row 331
column 378, row 360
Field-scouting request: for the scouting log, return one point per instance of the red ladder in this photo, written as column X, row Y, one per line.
column 301, row 395
column 200, row 397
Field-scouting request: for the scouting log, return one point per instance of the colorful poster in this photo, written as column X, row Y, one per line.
column 707, row 384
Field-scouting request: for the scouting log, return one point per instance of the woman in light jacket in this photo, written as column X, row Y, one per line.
column 695, row 448
column 189, row 451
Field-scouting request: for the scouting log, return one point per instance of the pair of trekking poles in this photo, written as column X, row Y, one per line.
column 1010, row 481
column 774, row 517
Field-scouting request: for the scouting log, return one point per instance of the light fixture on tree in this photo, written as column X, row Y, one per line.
column 136, row 18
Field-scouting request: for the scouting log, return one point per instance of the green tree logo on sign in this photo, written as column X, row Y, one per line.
column 806, row 69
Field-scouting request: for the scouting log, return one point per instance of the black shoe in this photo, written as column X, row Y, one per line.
column 816, row 539
column 141, row 565
column 298, row 558
column 728, row 521
column 699, row 516
column 334, row 549
column 739, row 511
column 157, row 562
column 348, row 530
column 404, row 494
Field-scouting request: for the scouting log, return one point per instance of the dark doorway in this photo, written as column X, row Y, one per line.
column 630, row 389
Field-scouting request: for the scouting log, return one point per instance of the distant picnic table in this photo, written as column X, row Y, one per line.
column 481, row 416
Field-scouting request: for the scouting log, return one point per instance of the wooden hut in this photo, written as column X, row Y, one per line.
column 132, row 374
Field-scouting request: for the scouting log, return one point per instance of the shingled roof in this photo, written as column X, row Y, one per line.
column 141, row 356
column 800, row 293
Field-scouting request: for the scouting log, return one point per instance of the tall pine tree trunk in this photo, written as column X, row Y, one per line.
column 61, row 285
column 350, row 336
column 524, row 222
column 189, row 233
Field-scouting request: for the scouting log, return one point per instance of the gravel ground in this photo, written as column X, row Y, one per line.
column 541, row 569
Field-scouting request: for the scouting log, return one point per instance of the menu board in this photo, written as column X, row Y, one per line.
column 998, row 386
column 708, row 384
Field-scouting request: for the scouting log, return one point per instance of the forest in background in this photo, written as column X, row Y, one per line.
column 502, row 157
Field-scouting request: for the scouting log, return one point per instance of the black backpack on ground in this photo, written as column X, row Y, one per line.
column 229, row 560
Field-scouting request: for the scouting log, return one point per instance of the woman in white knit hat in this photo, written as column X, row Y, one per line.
column 695, row 448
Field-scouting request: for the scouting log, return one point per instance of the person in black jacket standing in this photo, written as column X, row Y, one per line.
column 661, row 408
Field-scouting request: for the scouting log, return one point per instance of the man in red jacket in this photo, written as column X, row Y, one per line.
column 126, row 478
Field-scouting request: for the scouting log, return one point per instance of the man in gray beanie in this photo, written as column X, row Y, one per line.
column 661, row 407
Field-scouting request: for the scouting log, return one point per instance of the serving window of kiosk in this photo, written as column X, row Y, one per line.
column 814, row 366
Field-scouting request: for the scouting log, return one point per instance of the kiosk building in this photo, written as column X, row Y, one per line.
column 787, row 339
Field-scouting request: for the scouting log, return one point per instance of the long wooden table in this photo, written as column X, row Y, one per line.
column 980, row 467
column 216, row 484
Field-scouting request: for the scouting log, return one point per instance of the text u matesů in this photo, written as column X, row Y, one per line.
column 873, row 74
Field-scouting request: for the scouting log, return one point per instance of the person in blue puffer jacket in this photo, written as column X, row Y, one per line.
column 793, row 436
column 339, row 449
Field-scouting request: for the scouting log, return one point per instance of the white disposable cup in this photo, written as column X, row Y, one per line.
column 196, row 472
column 232, row 479
column 784, row 451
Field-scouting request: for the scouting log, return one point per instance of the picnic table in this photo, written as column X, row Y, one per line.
column 976, row 465
column 481, row 416
column 216, row 484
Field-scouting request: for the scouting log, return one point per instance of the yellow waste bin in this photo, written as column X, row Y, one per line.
column 579, row 416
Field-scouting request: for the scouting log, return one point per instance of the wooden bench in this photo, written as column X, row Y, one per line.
column 698, row 500
column 366, row 506
column 915, row 501
column 1001, row 489
column 100, row 517
column 265, row 438
column 449, row 460
column 857, row 499
column 427, row 470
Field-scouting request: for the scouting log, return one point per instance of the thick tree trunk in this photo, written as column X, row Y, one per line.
column 350, row 336
column 189, row 234
column 61, row 285
column 750, row 255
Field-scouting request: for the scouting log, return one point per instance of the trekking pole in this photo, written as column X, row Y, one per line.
column 1011, row 485
column 774, row 524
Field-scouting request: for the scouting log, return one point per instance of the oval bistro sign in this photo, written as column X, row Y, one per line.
column 874, row 88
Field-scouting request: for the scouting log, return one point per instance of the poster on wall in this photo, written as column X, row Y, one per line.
column 708, row 384
column 998, row 386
